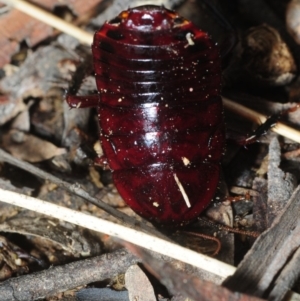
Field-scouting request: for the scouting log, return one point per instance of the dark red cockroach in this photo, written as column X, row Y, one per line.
column 160, row 112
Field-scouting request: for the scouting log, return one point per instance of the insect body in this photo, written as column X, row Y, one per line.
column 160, row 112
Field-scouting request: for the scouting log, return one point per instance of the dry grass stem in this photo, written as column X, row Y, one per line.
column 50, row 19
column 136, row 237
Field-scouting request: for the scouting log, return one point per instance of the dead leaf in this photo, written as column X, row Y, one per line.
column 10, row 107
column 221, row 213
column 29, row 148
column 10, row 261
column 54, row 235
column 138, row 285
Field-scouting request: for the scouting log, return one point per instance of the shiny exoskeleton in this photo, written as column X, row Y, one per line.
column 160, row 112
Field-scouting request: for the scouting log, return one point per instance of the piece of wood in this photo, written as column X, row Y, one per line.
column 260, row 204
column 280, row 184
column 262, row 264
column 61, row 278
column 188, row 286
column 287, row 278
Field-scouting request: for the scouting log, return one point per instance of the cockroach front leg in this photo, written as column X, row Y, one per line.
column 89, row 101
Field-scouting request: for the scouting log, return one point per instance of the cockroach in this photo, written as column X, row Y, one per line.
column 160, row 112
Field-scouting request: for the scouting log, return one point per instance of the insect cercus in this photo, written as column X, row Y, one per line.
column 160, row 112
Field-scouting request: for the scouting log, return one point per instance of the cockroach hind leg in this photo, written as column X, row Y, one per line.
column 265, row 127
column 102, row 162
column 76, row 102
column 216, row 240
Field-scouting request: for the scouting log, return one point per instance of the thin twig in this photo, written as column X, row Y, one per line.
column 75, row 189
column 136, row 237
column 61, row 278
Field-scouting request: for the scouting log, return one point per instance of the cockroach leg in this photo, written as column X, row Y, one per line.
column 266, row 126
column 235, row 199
column 76, row 102
column 208, row 237
column 230, row 229
column 102, row 162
